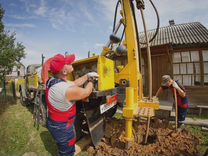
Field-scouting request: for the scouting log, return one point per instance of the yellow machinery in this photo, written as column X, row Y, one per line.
column 90, row 113
column 103, row 100
column 32, row 91
column 100, row 64
column 124, row 75
column 129, row 74
column 29, row 86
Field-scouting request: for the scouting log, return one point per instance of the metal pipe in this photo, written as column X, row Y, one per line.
column 148, row 54
column 176, row 108
column 147, row 131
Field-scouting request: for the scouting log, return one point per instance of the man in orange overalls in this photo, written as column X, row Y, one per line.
column 61, row 95
column 182, row 99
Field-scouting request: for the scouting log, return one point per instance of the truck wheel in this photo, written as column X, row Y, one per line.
column 22, row 99
column 40, row 113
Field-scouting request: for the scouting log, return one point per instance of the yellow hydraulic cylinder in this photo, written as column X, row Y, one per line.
column 129, row 97
column 128, row 132
column 128, row 113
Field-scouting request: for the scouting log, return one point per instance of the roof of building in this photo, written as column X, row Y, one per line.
column 188, row 34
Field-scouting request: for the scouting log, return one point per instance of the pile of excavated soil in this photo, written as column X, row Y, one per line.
column 162, row 140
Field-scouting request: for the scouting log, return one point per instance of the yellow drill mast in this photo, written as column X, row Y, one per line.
column 132, row 67
column 131, row 71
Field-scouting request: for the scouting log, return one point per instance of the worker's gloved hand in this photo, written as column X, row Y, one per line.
column 155, row 98
column 175, row 85
column 92, row 75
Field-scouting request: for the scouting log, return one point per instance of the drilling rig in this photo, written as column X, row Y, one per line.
column 120, row 79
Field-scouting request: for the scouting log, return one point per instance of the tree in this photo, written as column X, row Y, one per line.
column 1, row 16
column 11, row 52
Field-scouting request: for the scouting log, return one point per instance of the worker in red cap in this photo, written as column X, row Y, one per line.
column 61, row 95
column 182, row 99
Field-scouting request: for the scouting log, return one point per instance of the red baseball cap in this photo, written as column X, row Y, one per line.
column 58, row 62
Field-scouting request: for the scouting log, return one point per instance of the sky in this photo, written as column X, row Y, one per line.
column 50, row 27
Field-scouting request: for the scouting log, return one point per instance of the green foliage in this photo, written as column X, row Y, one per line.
column 1, row 16
column 10, row 52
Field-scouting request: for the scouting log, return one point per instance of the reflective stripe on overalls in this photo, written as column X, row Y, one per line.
column 61, row 124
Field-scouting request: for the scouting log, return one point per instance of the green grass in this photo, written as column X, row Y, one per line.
column 203, row 136
column 197, row 116
column 18, row 134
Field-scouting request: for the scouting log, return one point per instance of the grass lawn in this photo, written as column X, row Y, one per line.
column 203, row 136
column 18, row 134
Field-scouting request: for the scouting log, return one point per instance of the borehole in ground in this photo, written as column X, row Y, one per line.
column 151, row 139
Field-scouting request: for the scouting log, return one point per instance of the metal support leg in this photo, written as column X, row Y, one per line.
column 129, row 115
column 147, row 131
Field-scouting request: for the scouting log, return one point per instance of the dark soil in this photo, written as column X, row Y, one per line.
column 163, row 140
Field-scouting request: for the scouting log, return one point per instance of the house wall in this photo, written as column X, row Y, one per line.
column 160, row 66
column 198, row 95
column 197, row 88
column 162, row 63
column 17, row 72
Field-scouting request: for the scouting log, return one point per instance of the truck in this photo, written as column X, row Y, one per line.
column 29, row 85
column 119, row 84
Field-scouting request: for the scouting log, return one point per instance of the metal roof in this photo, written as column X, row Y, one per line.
column 188, row 34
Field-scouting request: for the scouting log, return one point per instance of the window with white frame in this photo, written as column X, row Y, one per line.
column 186, row 68
column 143, row 70
column 205, row 65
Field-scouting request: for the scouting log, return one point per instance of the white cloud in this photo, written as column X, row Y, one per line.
column 29, row 6
column 182, row 11
column 61, row 20
column 18, row 17
column 41, row 10
column 107, row 8
column 35, row 7
column 86, row 12
column 32, row 57
column 70, row 15
column 99, row 45
column 22, row 25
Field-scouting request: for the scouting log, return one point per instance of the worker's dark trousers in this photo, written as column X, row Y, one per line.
column 182, row 112
column 64, row 135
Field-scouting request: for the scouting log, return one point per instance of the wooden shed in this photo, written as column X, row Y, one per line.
column 180, row 50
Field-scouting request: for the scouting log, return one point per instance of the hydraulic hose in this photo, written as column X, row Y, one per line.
column 137, row 36
column 114, row 21
column 115, row 14
column 141, row 6
column 158, row 22
column 148, row 54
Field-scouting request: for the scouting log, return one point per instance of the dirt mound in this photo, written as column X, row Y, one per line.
column 162, row 140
